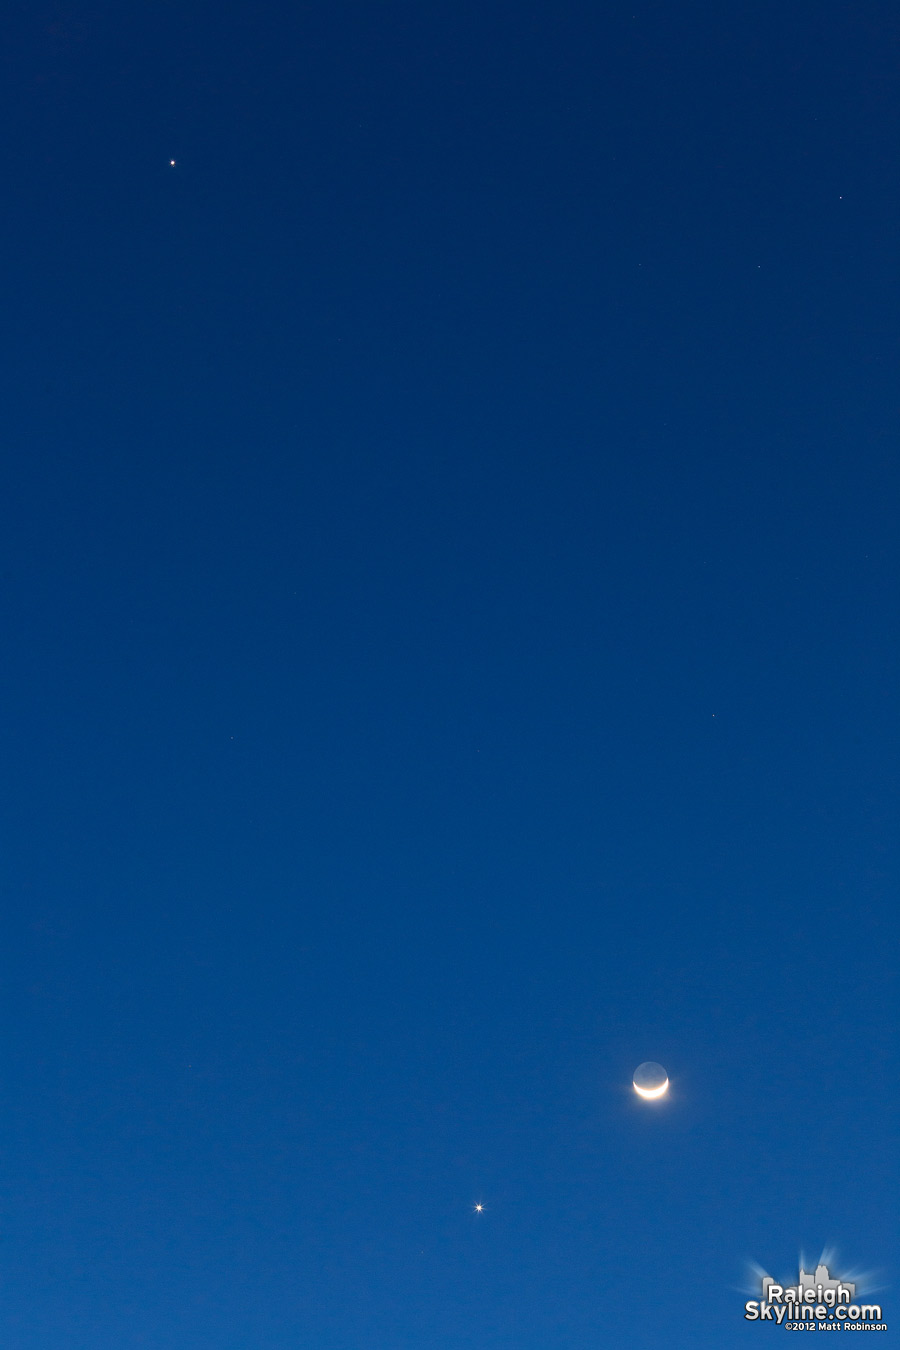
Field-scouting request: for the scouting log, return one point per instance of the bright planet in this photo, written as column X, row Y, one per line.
column 650, row 1079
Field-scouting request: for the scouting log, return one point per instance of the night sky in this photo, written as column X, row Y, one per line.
column 449, row 655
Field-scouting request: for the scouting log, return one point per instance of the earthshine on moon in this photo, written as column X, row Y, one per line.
column 650, row 1080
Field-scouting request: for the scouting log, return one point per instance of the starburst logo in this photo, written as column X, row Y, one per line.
column 814, row 1298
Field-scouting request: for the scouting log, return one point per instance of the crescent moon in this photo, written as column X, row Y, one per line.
column 650, row 1093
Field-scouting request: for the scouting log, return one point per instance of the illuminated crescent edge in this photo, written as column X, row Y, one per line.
column 649, row 1093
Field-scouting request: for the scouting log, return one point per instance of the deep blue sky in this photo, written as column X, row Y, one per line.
column 449, row 656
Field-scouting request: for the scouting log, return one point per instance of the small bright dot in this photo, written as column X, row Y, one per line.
column 479, row 1209
column 172, row 163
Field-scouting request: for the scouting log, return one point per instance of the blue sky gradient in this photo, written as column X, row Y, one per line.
column 450, row 656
